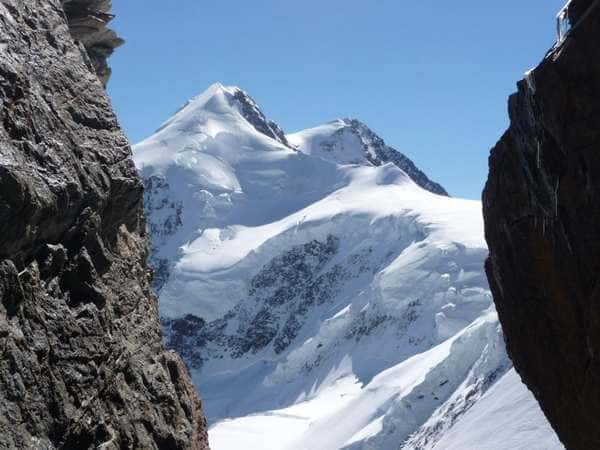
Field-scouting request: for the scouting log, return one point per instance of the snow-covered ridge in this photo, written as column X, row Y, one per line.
column 349, row 141
column 318, row 289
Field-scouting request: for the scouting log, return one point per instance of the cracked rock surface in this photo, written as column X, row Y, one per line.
column 82, row 362
column 542, row 216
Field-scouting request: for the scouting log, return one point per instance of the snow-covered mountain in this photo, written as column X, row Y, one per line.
column 323, row 292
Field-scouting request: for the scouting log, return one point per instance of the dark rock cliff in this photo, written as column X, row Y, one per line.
column 82, row 363
column 542, row 222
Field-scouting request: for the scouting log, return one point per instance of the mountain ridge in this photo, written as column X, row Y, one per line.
column 228, row 100
column 374, row 149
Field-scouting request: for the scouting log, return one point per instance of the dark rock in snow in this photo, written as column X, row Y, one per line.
column 542, row 215
column 252, row 113
column 279, row 299
column 82, row 362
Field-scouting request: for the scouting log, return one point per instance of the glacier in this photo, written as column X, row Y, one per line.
column 324, row 292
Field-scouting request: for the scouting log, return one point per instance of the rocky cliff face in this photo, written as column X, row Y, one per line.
column 82, row 362
column 542, row 213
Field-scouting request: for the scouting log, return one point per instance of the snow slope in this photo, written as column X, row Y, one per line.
column 505, row 417
column 322, row 293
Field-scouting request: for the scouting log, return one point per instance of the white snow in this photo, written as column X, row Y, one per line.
column 506, row 417
column 403, row 346
column 346, row 148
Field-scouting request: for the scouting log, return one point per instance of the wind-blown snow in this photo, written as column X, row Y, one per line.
column 323, row 297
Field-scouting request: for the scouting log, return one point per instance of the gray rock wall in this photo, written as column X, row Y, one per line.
column 82, row 364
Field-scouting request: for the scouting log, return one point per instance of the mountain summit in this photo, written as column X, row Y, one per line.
column 231, row 110
column 231, row 105
column 349, row 141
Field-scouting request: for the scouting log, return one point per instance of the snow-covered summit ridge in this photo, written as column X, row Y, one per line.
column 229, row 102
column 223, row 111
column 350, row 141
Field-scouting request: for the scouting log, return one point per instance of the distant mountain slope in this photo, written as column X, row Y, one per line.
column 322, row 298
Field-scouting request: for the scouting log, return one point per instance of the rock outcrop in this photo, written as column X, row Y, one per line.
column 82, row 362
column 252, row 113
column 542, row 214
column 88, row 20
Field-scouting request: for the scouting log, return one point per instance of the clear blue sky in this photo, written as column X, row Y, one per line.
column 431, row 77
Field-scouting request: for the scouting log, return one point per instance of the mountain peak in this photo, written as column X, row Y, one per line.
column 215, row 90
column 229, row 109
column 350, row 141
column 217, row 87
column 225, row 101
